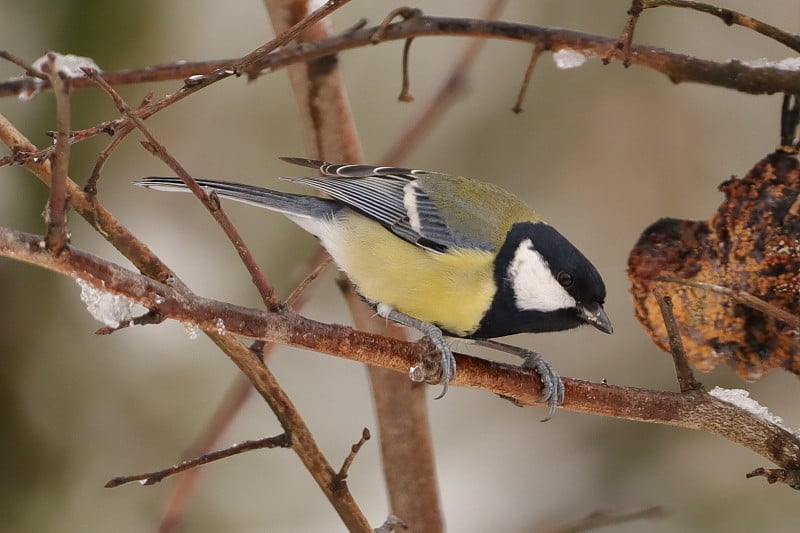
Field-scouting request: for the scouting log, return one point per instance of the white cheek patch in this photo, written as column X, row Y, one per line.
column 535, row 288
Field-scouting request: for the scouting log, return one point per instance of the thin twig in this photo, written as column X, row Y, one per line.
column 211, row 203
column 178, row 498
column 251, row 60
column 119, row 136
column 625, row 39
column 600, row 519
column 686, row 379
column 28, row 68
column 404, row 13
column 318, row 263
column 451, row 84
column 731, row 74
column 741, row 297
column 56, row 211
column 730, row 17
column 340, row 480
column 523, row 90
column 405, row 95
column 151, row 478
column 775, row 475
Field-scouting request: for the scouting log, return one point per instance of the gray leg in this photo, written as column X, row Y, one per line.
column 551, row 382
column 448, row 363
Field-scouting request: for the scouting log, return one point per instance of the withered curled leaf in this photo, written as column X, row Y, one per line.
column 751, row 246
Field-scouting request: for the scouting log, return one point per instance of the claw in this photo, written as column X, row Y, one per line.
column 552, row 386
column 447, row 363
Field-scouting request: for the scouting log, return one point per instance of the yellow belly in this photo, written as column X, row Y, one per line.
column 452, row 290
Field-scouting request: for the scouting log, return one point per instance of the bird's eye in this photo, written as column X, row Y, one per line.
column 565, row 279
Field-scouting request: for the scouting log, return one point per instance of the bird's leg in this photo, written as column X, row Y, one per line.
column 552, row 385
column 448, row 362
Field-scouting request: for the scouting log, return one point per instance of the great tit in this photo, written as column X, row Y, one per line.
column 444, row 254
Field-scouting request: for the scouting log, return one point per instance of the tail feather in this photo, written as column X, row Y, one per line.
column 293, row 205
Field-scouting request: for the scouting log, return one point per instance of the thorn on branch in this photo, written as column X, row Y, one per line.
column 340, row 479
column 774, row 475
column 523, row 90
column 151, row 478
column 686, row 379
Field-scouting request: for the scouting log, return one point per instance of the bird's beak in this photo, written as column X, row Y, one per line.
column 595, row 315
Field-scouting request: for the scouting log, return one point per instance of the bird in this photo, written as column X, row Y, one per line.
column 446, row 255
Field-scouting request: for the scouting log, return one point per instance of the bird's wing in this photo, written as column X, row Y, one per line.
column 393, row 197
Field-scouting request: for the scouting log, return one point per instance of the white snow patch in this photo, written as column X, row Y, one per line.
column 104, row 306
column 741, row 398
column 192, row 329
column 790, row 63
column 568, row 58
column 68, row 64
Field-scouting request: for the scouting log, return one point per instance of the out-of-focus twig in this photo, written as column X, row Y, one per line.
column 57, row 202
column 731, row 17
column 599, row 519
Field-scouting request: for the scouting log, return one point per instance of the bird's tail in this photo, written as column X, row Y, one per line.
column 292, row 205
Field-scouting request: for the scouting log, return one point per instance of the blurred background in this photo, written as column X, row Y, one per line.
column 600, row 151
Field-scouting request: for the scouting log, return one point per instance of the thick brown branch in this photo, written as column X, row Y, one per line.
column 693, row 410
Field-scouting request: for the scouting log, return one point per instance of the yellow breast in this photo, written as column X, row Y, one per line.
column 452, row 290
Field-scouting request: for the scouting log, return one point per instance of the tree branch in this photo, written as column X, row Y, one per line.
column 732, row 74
column 693, row 410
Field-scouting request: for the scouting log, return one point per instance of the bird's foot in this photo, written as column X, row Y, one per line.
column 422, row 371
column 552, row 386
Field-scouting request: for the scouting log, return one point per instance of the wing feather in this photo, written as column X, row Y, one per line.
column 392, row 196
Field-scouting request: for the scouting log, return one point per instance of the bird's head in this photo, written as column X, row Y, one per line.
column 544, row 284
